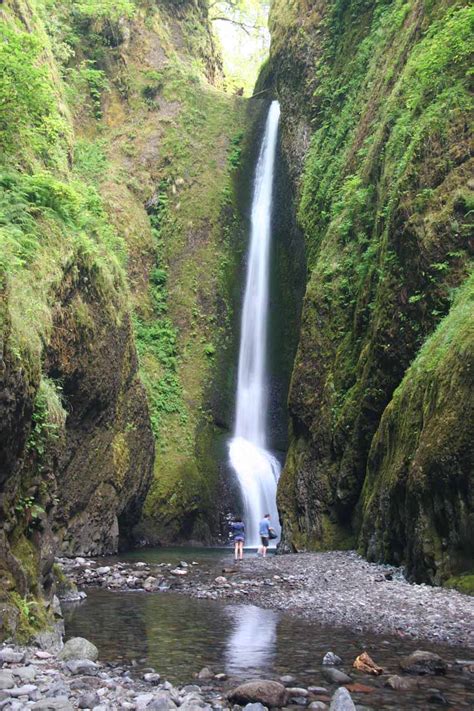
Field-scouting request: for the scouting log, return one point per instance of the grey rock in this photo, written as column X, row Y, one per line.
column 297, row 691
column 82, row 666
column 78, row 648
column 342, row 701
column 9, row 656
column 88, row 700
column 205, row 674
column 287, row 679
column 24, row 690
column 189, row 688
column 142, row 700
column 317, row 690
column 26, row 674
column 319, row 705
column 422, row 662
column 336, row 676
column 6, row 679
column 152, row 678
column 331, row 660
column 255, row 707
column 57, row 704
column 267, row 692
column 400, row 683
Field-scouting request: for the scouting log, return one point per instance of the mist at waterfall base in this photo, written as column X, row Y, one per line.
column 256, row 468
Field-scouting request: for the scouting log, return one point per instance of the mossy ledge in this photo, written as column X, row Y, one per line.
column 375, row 106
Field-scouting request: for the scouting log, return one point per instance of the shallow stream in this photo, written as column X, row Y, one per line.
column 178, row 635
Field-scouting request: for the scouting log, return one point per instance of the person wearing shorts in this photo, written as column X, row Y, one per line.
column 264, row 533
column 238, row 534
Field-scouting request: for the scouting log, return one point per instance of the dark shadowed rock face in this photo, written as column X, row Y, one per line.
column 75, row 468
column 385, row 221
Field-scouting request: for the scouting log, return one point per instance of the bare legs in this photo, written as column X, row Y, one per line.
column 239, row 550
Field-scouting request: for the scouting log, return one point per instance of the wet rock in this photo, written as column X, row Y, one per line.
column 287, row 679
column 436, row 697
column 331, row 660
column 78, row 648
column 104, row 570
column 220, row 580
column 400, row 683
column 189, row 688
column 366, row 664
column 421, row 662
column 179, row 571
column 9, row 656
column 269, row 693
column 317, row 690
column 6, row 679
column 342, row 701
column 205, row 674
column 82, row 666
column 220, row 677
column 296, row 691
column 356, row 688
column 88, row 700
column 319, row 705
column 336, row 676
column 255, row 707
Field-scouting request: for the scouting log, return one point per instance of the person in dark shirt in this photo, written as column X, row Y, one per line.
column 238, row 534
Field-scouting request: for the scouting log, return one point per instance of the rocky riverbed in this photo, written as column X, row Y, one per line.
column 32, row 678
column 336, row 588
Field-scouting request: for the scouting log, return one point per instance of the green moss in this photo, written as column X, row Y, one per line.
column 384, row 91
column 464, row 583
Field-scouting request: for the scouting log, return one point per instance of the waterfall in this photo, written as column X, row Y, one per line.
column 256, row 468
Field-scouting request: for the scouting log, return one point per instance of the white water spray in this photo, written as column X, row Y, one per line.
column 257, row 470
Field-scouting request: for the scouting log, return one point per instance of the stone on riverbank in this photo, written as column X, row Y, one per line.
column 79, row 648
column 331, row 660
column 9, row 656
column 342, row 701
column 264, row 691
column 421, row 662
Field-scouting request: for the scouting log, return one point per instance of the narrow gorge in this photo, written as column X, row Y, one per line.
column 204, row 283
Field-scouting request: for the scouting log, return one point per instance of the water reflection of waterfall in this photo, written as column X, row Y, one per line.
column 257, row 470
column 251, row 645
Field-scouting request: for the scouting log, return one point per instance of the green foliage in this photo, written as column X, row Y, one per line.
column 48, row 417
column 90, row 161
column 30, row 122
column 235, row 151
column 106, row 9
column 87, row 77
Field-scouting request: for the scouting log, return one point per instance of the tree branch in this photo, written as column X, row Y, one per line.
column 246, row 28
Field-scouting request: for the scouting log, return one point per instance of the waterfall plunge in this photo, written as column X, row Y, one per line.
column 257, row 470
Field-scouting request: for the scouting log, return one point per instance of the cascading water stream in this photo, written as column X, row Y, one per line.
column 256, row 468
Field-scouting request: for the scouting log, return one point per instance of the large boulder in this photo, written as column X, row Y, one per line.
column 421, row 662
column 269, row 693
column 79, row 648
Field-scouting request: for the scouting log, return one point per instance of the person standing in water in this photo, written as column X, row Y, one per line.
column 264, row 533
column 238, row 533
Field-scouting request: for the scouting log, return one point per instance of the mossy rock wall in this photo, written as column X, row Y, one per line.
column 375, row 112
